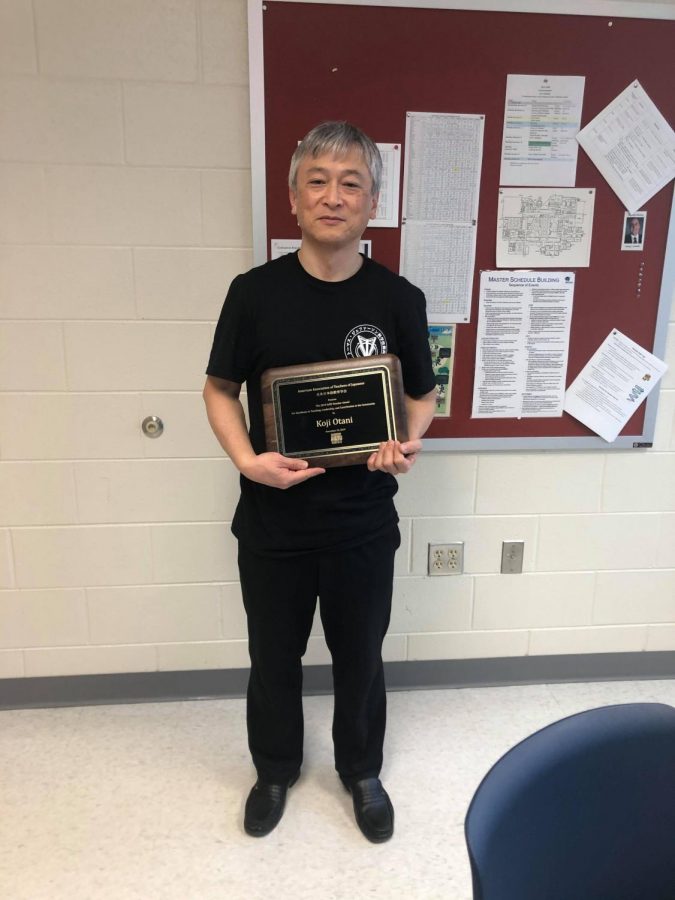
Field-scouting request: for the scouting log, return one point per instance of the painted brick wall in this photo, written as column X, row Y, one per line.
column 125, row 212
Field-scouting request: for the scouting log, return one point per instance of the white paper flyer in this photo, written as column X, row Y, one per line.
column 614, row 382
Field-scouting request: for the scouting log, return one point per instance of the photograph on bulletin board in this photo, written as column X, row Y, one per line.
column 442, row 346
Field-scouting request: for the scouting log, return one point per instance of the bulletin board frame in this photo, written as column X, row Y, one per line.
column 638, row 436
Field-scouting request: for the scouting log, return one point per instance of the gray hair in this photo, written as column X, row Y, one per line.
column 337, row 138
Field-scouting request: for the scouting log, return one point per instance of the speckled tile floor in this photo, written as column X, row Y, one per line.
column 144, row 802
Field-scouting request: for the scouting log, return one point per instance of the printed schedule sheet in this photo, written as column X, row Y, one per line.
column 441, row 185
column 522, row 345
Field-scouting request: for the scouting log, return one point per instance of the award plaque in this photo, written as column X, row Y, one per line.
column 334, row 413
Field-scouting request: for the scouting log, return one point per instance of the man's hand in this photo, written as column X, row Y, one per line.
column 395, row 457
column 278, row 471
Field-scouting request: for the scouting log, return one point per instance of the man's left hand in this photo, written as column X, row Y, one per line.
column 395, row 457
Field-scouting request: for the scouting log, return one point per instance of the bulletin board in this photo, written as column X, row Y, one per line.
column 371, row 64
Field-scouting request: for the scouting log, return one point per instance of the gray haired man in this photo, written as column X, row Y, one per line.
column 307, row 533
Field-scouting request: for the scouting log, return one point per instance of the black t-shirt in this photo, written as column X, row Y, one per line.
column 279, row 315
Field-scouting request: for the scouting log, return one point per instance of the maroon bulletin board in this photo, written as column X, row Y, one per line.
column 372, row 64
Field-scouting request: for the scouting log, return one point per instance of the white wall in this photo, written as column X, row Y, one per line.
column 125, row 212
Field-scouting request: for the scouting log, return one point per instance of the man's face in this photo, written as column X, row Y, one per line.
column 333, row 200
column 635, row 226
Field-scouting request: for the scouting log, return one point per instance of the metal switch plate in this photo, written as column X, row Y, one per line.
column 446, row 559
column 512, row 557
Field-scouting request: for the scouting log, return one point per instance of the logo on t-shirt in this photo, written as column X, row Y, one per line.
column 365, row 340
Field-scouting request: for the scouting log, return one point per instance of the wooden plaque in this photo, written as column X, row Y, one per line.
column 334, row 413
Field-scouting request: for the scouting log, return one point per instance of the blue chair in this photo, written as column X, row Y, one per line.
column 582, row 810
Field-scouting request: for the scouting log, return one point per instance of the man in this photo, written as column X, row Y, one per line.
column 634, row 231
column 307, row 532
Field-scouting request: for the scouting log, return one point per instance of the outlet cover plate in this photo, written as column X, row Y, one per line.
column 446, row 559
column 512, row 557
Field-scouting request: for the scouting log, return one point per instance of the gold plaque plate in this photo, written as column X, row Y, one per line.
column 334, row 413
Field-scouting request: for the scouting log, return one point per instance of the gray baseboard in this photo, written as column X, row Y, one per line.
column 154, row 687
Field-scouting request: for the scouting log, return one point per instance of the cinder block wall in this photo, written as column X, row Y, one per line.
column 124, row 214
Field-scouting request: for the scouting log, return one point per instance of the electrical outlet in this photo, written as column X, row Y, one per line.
column 446, row 559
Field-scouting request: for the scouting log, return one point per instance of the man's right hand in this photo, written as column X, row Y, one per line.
column 278, row 471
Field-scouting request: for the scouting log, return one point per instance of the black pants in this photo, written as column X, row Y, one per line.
column 354, row 588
